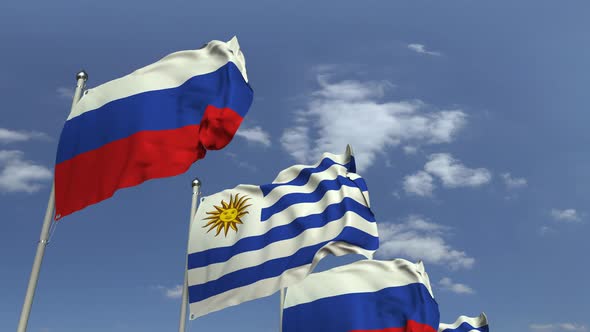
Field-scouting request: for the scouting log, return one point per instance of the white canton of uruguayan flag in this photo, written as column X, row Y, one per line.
column 251, row 241
column 467, row 324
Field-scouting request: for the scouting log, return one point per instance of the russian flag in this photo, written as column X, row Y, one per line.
column 467, row 324
column 365, row 296
column 152, row 123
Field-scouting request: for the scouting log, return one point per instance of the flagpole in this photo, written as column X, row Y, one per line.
column 281, row 309
column 43, row 239
column 194, row 204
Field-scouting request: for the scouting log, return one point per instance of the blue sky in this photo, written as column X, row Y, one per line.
column 469, row 120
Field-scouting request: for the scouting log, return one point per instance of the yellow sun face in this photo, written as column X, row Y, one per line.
column 227, row 215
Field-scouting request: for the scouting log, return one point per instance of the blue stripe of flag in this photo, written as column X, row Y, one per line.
column 275, row 267
column 155, row 110
column 304, row 175
column 315, row 196
column 283, row 232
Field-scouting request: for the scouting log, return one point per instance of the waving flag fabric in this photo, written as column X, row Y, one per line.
column 467, row 324
column 152, row 123
column 364, row 296
column 251, row 241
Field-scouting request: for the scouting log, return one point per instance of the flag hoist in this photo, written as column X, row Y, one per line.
column 81, row 77
column 196, row 184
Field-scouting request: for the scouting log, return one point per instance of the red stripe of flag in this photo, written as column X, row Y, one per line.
column 411, row 326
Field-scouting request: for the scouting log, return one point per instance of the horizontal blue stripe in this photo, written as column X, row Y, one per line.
column 315, row 196
column 155, row 110
column 466, row 327
column 283, row 232
column 276, row 267
column 387, row 308
column 304, row 175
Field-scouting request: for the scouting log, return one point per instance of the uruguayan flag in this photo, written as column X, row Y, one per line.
column 251, row 241
column 466, row 324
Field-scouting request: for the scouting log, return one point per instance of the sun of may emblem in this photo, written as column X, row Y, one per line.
column 227, row 215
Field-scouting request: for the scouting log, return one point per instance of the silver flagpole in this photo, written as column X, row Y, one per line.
column 26, row 311
column 281, row 308
column 196, row 193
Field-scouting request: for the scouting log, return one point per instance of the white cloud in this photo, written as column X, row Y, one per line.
column 410, row 149
column 296, row 141
column 565, row 215
column 558, row 327
column 512, row 182
column 20, row 175
column 419, row 184
column 66, row 93
column 350, row 90
column 12, row 136
column 418, row 223
column 174, row 293
column 448, row 284
column 420, row 48
column 171, row 293
column 349, row 112
column 255, row 134
column 544, row 230
column 450, row 171
column 241, row 163
column 454, row 174
column 419, row 239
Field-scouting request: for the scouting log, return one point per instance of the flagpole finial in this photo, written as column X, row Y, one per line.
column 82, row 75
column 349, row 150
column 196, row 182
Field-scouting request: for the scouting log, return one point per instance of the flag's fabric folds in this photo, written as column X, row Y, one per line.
column 250, row 241
column 365, row 296
column 467, row 324
column 152, row 123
